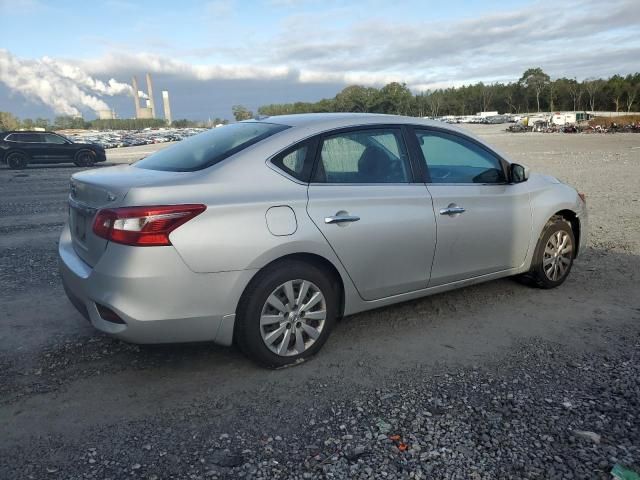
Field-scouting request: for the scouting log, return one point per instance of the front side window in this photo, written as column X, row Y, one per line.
column 363, row 156
column 210, row 147
column 50, row 138
column 453, row 159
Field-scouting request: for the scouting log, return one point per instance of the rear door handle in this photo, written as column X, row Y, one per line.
column 341, row 219
column 452, row 209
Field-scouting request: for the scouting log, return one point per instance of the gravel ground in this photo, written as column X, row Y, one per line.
column 492, row 381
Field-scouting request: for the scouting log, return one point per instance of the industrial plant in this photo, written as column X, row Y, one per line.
column 148, row 110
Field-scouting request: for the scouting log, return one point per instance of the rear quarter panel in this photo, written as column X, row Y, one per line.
column 232, row 234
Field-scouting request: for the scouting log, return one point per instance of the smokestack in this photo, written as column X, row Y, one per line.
column 150, row 92
column 167, row 107
column 136, row 102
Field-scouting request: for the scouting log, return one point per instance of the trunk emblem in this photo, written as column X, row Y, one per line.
column 110, row 197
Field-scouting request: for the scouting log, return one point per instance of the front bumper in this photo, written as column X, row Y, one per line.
column 583, row 218
column 152, row 290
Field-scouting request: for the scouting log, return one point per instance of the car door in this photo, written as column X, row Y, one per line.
column 375, row 214
column 484, row 222
column 58, row 148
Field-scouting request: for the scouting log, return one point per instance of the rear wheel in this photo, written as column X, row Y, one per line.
column 286, row 313
column 85, row 158
column 17, row 160
column 554, row 254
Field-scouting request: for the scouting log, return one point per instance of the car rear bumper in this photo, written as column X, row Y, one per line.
column 155, row 295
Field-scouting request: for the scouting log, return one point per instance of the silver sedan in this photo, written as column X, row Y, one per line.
column 264, row 233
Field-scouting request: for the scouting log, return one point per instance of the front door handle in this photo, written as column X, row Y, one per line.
column 452, row 210
column 341, row 219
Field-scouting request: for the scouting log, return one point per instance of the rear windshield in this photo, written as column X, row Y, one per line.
column 210, row 147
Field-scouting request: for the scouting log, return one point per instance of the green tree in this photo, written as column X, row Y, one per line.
column 8, row 121
column 126, row 124
column 240, row 113
column 355, row 98
column 535, row 80
column 394, row 98
column 632, row 90
column 592, row 87
column 615, row 89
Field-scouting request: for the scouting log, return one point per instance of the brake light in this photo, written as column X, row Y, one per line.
column 583, row 197
column 143, row 226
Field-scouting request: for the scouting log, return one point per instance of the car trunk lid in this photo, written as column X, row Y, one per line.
column 93, row 190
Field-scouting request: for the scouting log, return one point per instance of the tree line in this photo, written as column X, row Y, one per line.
column 534, row 91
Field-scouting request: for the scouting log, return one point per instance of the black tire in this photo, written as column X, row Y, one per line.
column 85, row 158
column 247, row 332
column 17, row 160
column 537, row 276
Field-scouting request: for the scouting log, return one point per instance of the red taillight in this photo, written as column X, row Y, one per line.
column 583, row 197
column 143, row 226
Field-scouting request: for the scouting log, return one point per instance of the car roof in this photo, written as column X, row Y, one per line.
column 338, row 120
column 313, row 123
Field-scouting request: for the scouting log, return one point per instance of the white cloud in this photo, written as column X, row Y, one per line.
column 63, row 87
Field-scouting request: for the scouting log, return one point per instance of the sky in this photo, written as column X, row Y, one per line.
column 76, row 57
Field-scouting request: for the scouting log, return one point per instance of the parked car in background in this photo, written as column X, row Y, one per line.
column 19, row 149
column 265, row 232
column 132, row 138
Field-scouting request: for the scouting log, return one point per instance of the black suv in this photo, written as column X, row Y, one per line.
column 18, row 149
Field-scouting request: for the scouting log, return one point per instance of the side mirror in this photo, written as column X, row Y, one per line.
column 519, row 173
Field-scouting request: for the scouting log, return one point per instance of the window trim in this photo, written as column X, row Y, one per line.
column 414, row 177
column 427, row 177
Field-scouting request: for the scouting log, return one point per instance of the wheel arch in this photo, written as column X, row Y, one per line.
column 574, row 221
column 311, row 258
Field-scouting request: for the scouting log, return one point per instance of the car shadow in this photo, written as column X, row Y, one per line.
column 458, row 325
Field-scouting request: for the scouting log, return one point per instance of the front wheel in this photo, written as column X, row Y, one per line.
column 554, row 254
column 85, row 158
column 286, row 313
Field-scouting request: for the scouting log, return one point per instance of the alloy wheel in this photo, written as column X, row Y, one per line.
column 293, row 317
column 558, row 254
column 85, row 159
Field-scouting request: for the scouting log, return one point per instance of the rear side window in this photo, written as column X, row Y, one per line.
column 296, row 161
column 453, row 159
column 208, row 148
column 25, row 137
column 363, row 156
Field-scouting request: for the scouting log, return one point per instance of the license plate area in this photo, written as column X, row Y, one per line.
column 79, row 223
